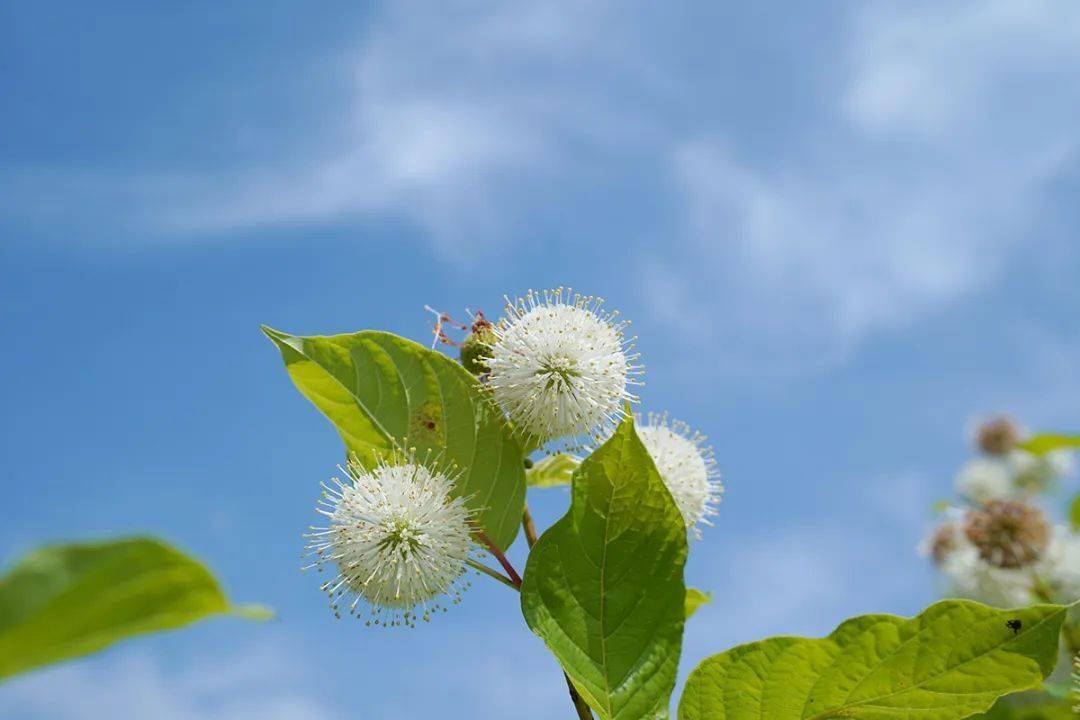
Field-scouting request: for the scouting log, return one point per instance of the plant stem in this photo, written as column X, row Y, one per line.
column 491, row 573
column 529, row 527
column 582, row 707
column 498, row 554
column 584, row 712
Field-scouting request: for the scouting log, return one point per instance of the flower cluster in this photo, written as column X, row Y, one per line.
column 998, row 546
column 560, row 367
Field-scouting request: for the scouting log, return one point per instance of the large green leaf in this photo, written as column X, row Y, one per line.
column 604, row 585
column 383, row 392
column 553, row 470
column 1048, row 442
column 63, row 601
column 953, row 660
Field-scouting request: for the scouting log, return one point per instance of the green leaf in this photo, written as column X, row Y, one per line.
column 1048, row 442
column 953, row 660
column 696, row 598
column 941, row 506
column 551, row 471
column 604, row 585
column 63, row 601
column 383, row 392
column 1029, row 706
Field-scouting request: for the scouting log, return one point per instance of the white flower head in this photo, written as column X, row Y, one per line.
column 397, row 538
column 1062, row 565
column 984, row 479
column 560, row 365
column 686, row 465
column 1034, row 473
column 970, row 576
column 1062, row 462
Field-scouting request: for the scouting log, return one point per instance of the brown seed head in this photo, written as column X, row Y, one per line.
column 1008, row 533
column 998, row 436
column 943, row 542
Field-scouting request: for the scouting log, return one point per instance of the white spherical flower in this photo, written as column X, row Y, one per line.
column 560, row 366
column 686, row 465
column 1062, row 462
column 1062, row 565
column 985, row 479
column 1034, row 473
column 970, row 576
column 397, row 538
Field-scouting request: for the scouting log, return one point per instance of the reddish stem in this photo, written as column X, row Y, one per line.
column 494, row 550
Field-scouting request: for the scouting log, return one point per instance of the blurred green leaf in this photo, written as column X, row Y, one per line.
column 1029, row 706
column 1048, row 442
column 604, row 585
column 63, row 601
column 696, row 598
column 941, row 506
column 955, row 659
column 383, row 392
column 551, row 471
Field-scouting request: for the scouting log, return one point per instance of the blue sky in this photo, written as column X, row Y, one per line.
column 842, row 231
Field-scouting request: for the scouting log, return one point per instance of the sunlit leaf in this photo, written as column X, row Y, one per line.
column 1048, row 442
column 383, row 392
column 696, row 598
column 63, row 601
column 604, row 585
column 551, row 471
column 955, row 659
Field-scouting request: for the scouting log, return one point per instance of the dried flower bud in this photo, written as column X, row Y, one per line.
column 476, row 349
column 998, row 436
column 943, row 542
column 1008, row 533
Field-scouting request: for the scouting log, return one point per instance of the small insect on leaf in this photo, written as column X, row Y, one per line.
column 1014, row 625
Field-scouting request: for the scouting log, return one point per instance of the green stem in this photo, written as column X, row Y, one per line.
column 529, row 527
column 584, row 712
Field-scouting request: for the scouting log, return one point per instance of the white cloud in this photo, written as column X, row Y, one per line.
column 944, row 68
column 917, row 167
column 455, row 103
column 952, row 121
column 259, row 682
column 913, row 198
